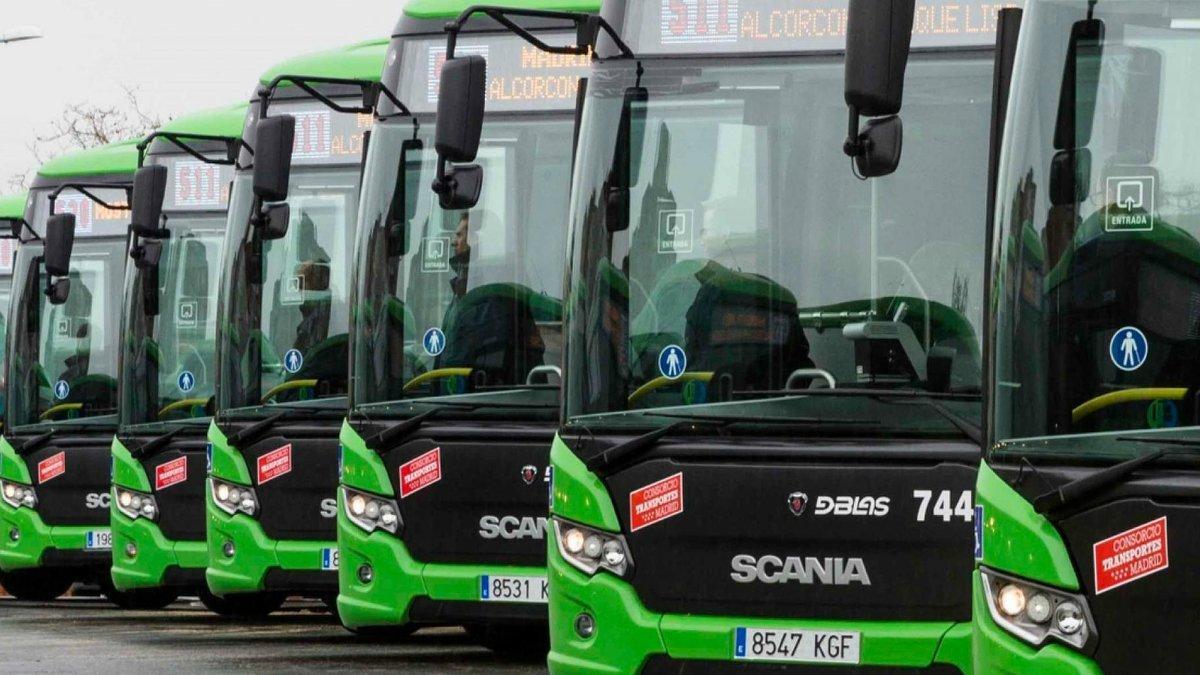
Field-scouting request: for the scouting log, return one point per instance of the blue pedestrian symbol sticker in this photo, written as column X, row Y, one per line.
column 186, row 381
column 62, row 390
column 434, row 341
column 672, row 362
column 293, row 361
column 1128, row 349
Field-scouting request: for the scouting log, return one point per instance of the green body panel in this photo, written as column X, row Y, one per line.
column 627, row 633
column 13, row 206
column 362, row 61
column 399, row 578
column 449, row 9
column 996, row 651
column 577, row 494
column 362, row 467
column 155, row 553
column 255, row 553
column 119, row 157
column 12, row 467
column 227, row 463
column 227, row 121
column 127, row 471
column 1017, row 539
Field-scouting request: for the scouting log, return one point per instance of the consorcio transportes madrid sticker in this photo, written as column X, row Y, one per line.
column 274, row 464
column 170, row 473
column 52, row 467
column 656, row 502
column 1130, row 555
column 420, row 472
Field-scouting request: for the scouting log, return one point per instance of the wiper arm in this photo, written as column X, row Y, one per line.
column 238, row 437
column 768, row 419
column 388, row 439
column 35, row 442
column 1178, row 442
column 633, row 446
column 1079, row 488
column 972, row 431
column 156, row 444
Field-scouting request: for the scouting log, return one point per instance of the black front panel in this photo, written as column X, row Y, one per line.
column 490, row 503
column 1149, row 623
column 72, row 475
column 297, row 485
column 798, row 532
column 180, row 496
column 665, row 665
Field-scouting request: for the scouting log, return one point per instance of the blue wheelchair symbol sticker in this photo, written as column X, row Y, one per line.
column 186, row 381
column 293, row 361
column 62, row 390
column 672, row 362
column 434, row 341
column 1128, row 349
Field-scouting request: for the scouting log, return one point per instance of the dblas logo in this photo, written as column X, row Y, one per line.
column 809, row 570
column 512, row 527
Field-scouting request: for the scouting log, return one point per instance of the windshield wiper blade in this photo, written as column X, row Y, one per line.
column 972, row 431
column 156, row 444
column 1177, row 442
column 633, row 446
column 238, row 437
column 1079, row 488
column 388, row 439
column 769, row 419
column 315, row 407
column 35, row 442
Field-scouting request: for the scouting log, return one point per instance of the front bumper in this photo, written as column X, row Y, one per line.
column 41, row 545
column 260, row 563
column 627, row 635
column 997, row 651
column 405, row 590
column 159, row 562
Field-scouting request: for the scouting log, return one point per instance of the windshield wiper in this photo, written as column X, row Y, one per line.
column 1178, row 442
column 1079, row 488
column 622, row 451
column 238, row 437
column 35, row 442
column 388, row 439
column 154, row 445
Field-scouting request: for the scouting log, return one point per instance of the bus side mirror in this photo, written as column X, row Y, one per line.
column 60, row 240
column 274, row 139
column 878, row 40
column 461, row 96
column 149, row 189
column 627, row 158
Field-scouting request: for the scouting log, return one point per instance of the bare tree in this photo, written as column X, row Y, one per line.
column 83, row 125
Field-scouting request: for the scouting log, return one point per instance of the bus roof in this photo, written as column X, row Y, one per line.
column 115, row 158
column 362, row 61
column 226, row 122
column 12, row 207
column 449, row 9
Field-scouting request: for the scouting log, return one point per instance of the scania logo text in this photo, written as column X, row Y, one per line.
column 797, row 502
column 512, row 527
column 97, row 500
column 770, row 569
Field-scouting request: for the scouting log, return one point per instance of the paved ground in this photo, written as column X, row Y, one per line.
column 91, row 636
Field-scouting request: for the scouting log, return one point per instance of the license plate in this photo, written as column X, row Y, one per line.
column 99, row 540
column 796, row 646
column 512, row 589
column 331, row 559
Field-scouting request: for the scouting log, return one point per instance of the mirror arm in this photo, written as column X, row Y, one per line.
column 442, row 183
column 26, row 226
column 854, row 146
column 180, row 141
column 588, row 25
column 86, row 190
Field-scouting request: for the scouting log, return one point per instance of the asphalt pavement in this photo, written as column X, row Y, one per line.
column 86, row 635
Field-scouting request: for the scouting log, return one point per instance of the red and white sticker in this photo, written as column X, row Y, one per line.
column 1130, row 555
column 52, row 467
column 656, row 502
column 274, row 464
column 170, row 473
column 421, row 472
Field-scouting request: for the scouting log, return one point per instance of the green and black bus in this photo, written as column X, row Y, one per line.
column 282, row 330
column 61, row 377
column 1090, row 486
column 772, row 390
column 457, row 343
column 167, row 377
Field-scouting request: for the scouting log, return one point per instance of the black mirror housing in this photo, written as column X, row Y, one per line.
column 149, row 190
column 59, row 291
column 273, row 221
column 274, row 139
column 461, row 97
column 463, row 186
column 1070, row 175
column 882, row 141
column 60, row 240
column 878, row 39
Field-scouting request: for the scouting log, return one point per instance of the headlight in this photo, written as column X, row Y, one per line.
column 371, row 512
column 233, row 498
column 135, row 504
column 17, row 495
column 589, row 550
column 1034, row 612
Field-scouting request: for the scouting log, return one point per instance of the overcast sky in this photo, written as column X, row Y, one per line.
column 178, row 56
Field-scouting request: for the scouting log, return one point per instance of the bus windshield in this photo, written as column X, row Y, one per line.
column 1098, row 259
column 723, row 254
column 463, row 303
column 167, row 365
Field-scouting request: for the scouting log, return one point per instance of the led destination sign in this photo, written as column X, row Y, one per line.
column 676, row 26
column 196, row 185
column 519, row 75
column 324, row 136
